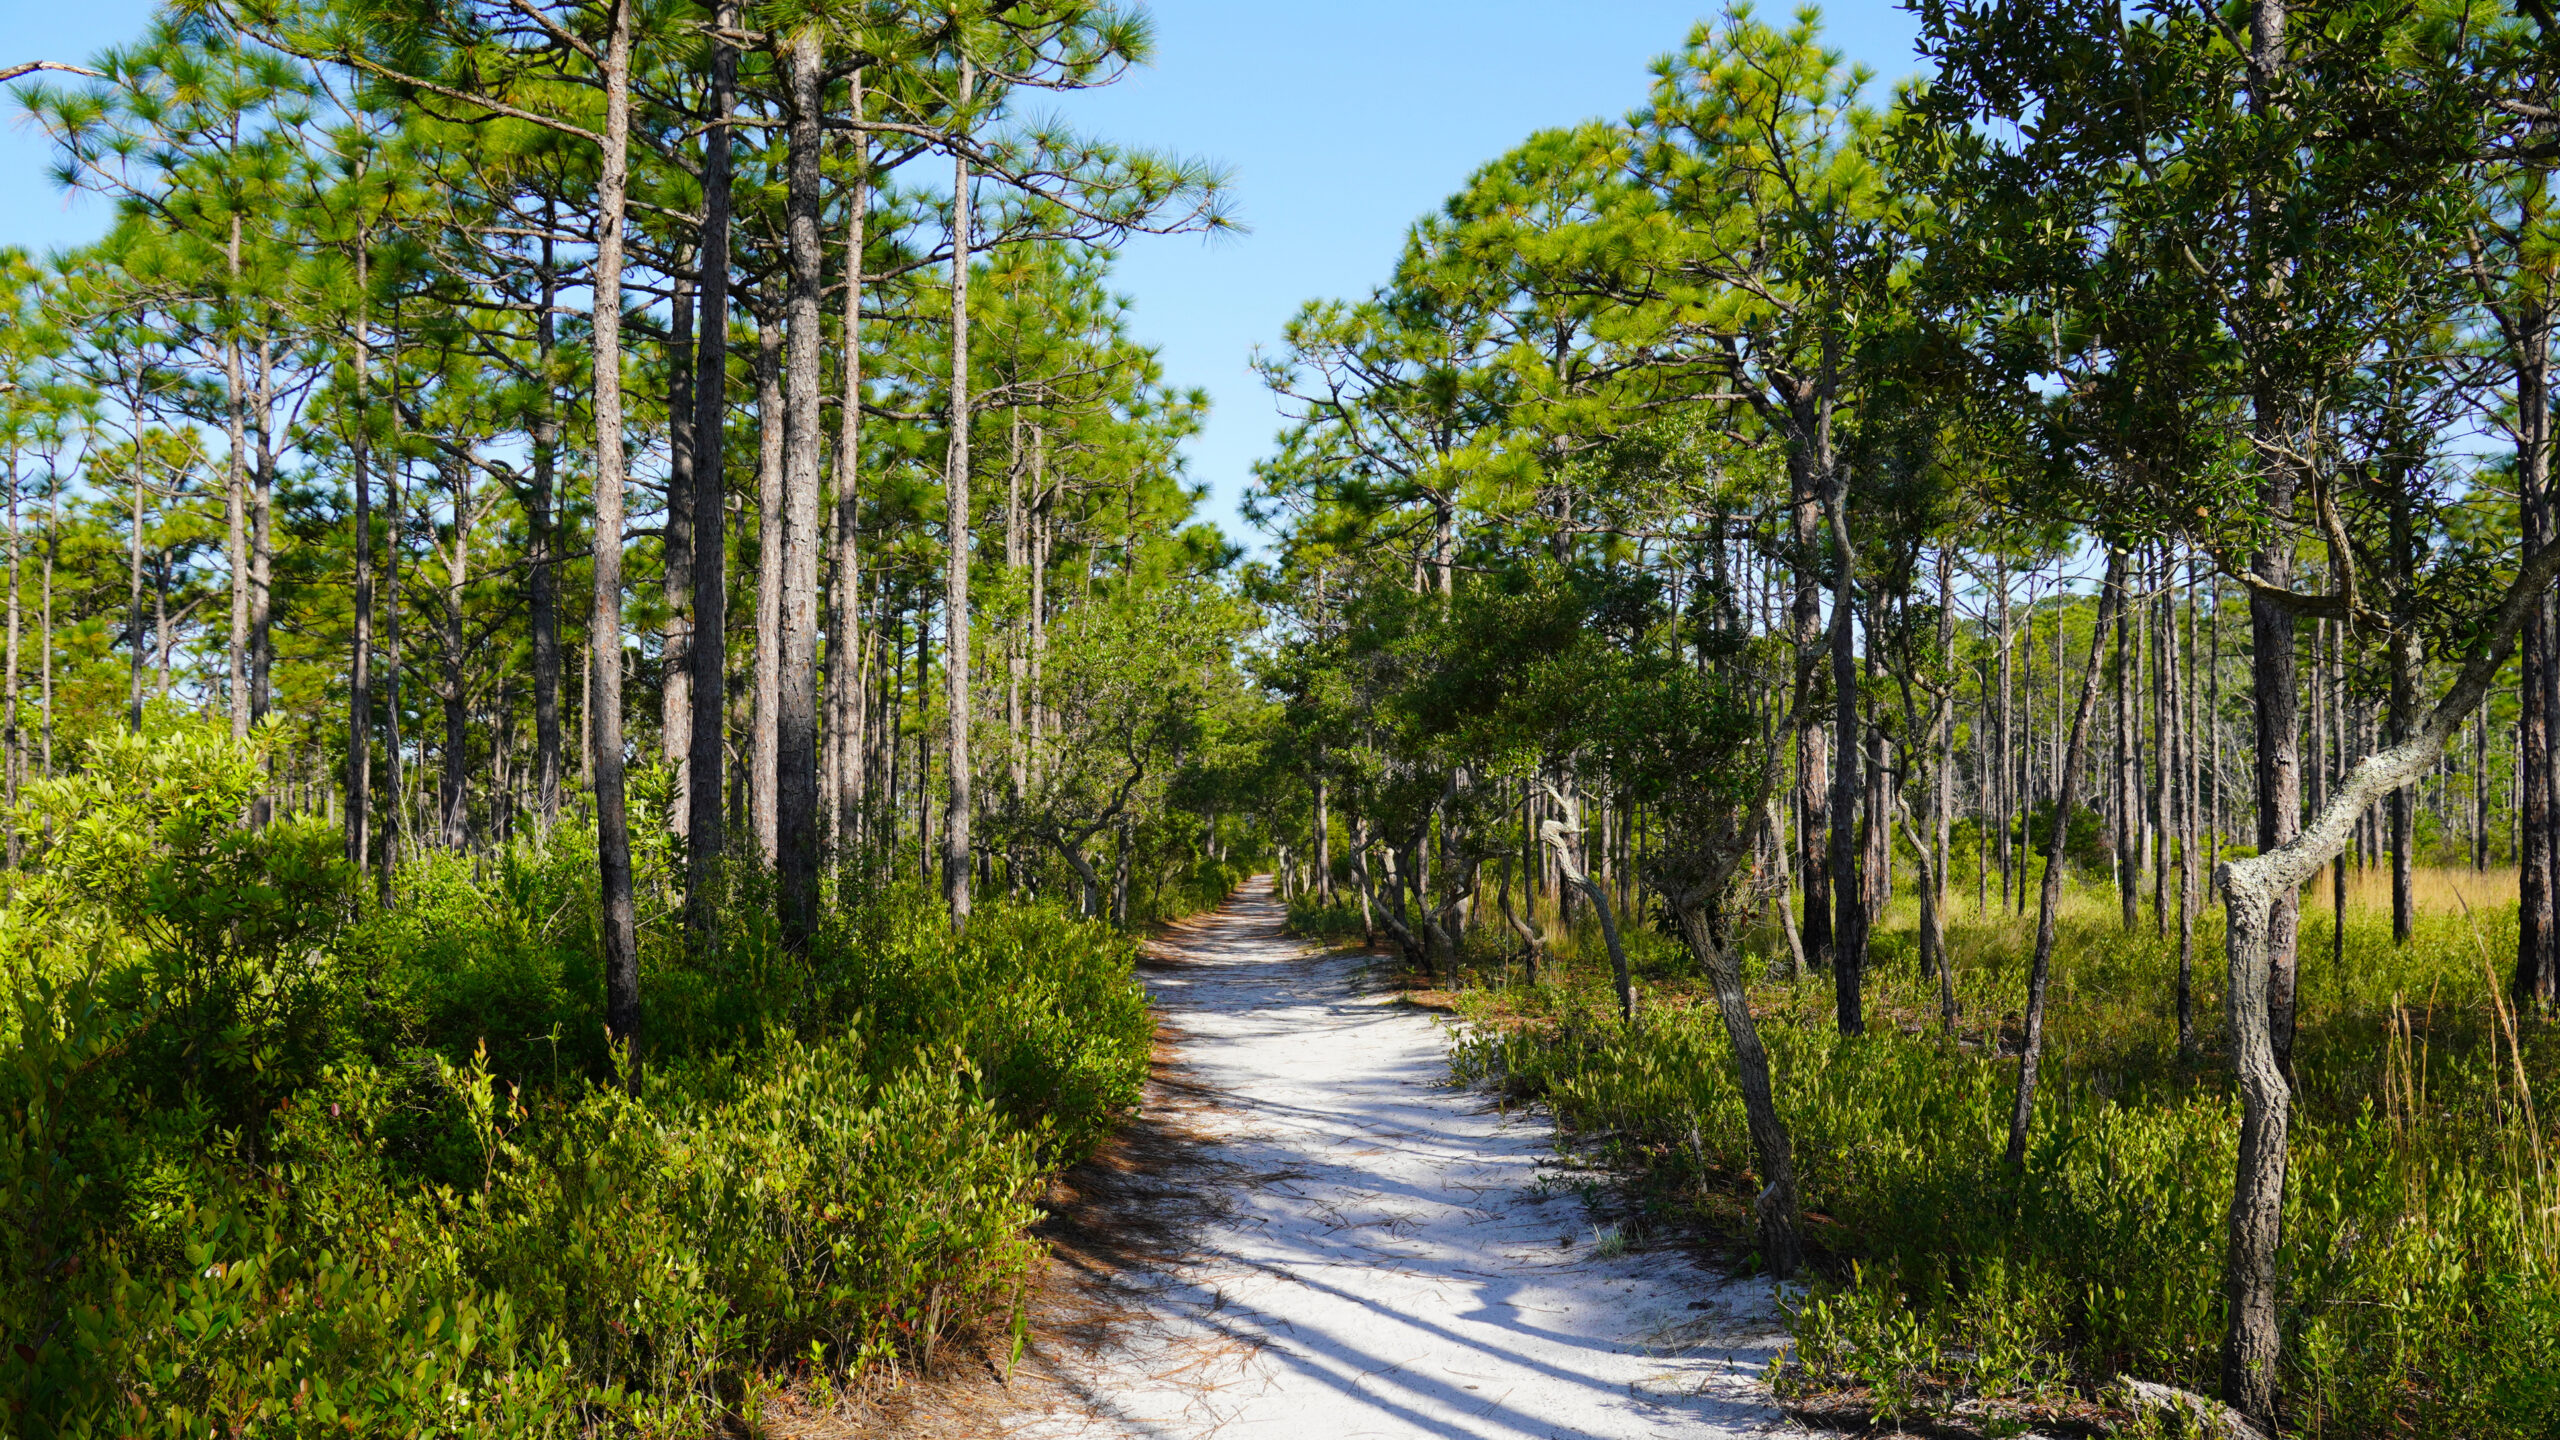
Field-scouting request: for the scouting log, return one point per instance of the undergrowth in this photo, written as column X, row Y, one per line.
column 2421, row 1254
column 274, row 1163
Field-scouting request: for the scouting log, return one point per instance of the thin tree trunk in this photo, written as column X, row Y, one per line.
column 1016, row 543
column 360, row 657
column 675, row 651
column 133, row 605
column 1813, row 779
column 2127, row 776
column 764, row 742
column 235, row 549
column 262, row 550
column 52, row 551
column 1796, row 963
column 17, row 756
column 847, row 654
column 1943, row 800
column 955, row 663
column 542, row 541
column 395, row 760
column 613, row 831
column 2189, row 813
column 1849, row 923
column 1777, row 1207
column 456, row 799
column 2049, row 893
column 1557, row 834
column 2003, row 791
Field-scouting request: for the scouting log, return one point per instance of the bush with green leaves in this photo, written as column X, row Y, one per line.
column 2422, row 1254
column 277, row 1159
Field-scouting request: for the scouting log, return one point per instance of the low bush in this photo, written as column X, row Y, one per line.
column 1313, row 918
column 2422, row 1259
column 278, row 1162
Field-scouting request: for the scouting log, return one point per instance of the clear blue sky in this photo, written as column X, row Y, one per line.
column 1340, row 120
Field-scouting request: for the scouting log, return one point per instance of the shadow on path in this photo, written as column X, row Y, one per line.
column 1364, row 1251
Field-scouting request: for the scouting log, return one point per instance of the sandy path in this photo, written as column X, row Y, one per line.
column 1383, row 1261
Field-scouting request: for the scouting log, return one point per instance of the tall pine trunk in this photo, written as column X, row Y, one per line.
column 1813, row 780
column 675, row 651
column 846, row 654
column 764, row 742
column 955, row 661
column 1849, row 924
column 706, row 830
column 796, row 666
column 613, row 830
column 360, row 645
column 542, row 541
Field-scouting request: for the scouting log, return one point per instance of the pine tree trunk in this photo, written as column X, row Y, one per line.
column 2537, row 972
column 955, row 663
column 802, row 536
column 360, row 647
column 1813, row 777
column 1016, row 542
column 542, row 545
column 394, row 756
column 2127, row 780
column 764, row 741
column 1849, row 920
column 17, row 753
column 262, row 552
column 675, row 651
column 455, row 802
column 235, row 548
column 2003, row 791
column 706, row 836
column 613, row 831
column 2189, row 812
column 133, row 569
column 847, row 653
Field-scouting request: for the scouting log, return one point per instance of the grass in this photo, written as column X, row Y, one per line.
column 2422, row 1250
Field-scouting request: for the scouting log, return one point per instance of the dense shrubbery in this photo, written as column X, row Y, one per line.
column 279, row 1166
column 2422, row 1251
column 1313, row 918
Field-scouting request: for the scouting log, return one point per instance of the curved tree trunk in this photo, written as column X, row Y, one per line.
column 1777, row 1209
column 1532, row 944
column 2252, row 1342
column 1557, row 834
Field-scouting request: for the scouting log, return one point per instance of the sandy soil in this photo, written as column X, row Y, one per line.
column 1379, row 1255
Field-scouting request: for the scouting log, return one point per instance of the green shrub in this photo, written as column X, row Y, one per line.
column 1312, row 919
column 2421, row 1256
column 278, row 1161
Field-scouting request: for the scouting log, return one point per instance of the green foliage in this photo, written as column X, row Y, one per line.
column 383, row 1182
column 2419, row 1253
column 1312, row 918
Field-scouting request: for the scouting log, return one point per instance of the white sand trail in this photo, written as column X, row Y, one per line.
column 1385, row 1262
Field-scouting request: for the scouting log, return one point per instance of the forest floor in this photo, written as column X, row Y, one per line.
column 1312, row 1233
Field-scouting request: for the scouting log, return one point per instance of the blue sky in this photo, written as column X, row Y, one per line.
column 1340, row 121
